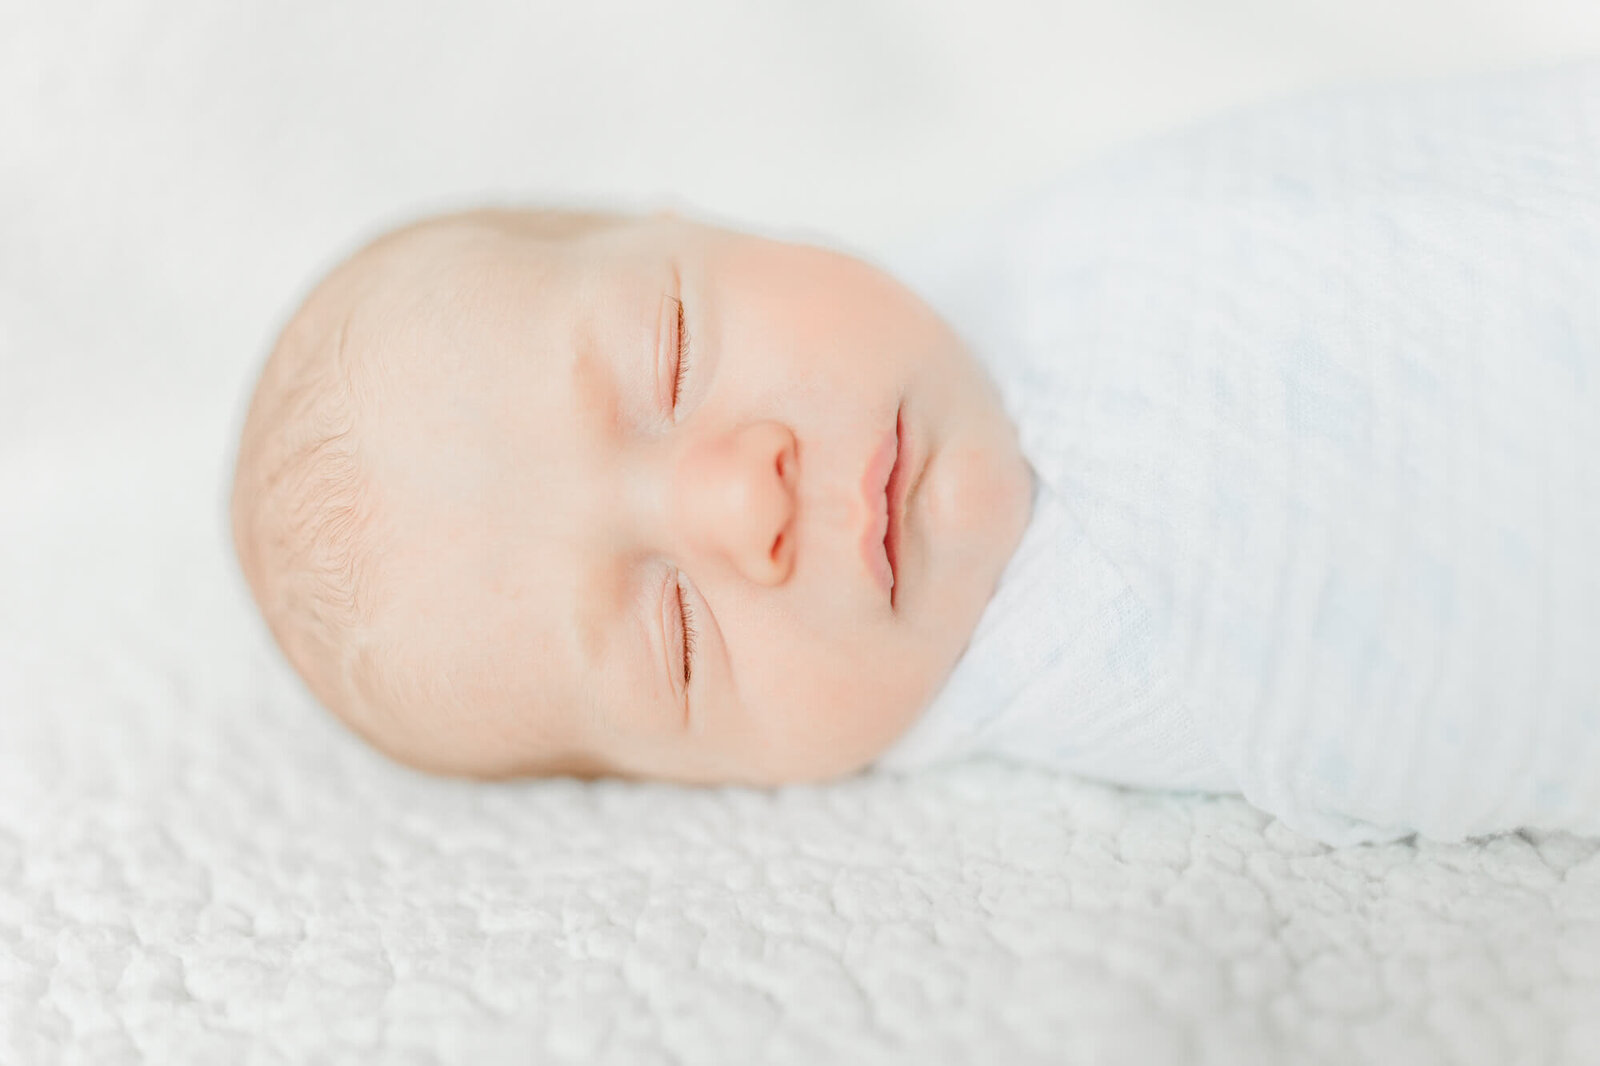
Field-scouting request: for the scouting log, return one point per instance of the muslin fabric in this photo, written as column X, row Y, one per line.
column 1312, row 396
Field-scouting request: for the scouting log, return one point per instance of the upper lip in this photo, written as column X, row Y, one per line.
column 895, row 492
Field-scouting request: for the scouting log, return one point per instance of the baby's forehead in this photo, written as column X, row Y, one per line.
column 447, row 257
column 466, row 386
column 472, row 275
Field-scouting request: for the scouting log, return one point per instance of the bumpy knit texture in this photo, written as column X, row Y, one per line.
column 1313, row 395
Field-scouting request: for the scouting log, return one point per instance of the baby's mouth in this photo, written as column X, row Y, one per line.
column 880, row 539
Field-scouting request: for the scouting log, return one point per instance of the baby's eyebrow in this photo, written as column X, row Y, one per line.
column 615, row 636
column 594, row 390
column 597, row 596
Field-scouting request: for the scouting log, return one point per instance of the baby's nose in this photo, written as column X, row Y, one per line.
column 737, row 494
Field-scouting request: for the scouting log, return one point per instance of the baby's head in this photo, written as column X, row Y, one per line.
column 502, row 464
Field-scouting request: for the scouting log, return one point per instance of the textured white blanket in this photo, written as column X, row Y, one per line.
column 198, row 866
column 1313, row 393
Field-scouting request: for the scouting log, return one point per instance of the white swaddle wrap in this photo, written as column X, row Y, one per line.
column 1312, row 392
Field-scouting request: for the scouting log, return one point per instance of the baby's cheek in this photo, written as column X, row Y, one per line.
column 837, row 721
column 980, row 493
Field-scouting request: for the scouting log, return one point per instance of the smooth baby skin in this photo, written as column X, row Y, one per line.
column 554, row 494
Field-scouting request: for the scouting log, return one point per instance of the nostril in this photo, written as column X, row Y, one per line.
column 777, row 546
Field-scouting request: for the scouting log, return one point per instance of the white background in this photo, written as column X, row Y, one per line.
column 173, row 174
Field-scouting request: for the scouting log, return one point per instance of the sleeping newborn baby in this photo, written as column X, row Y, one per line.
column 524, row 492
column 1258, row 458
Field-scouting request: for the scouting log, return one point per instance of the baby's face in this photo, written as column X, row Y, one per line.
column 749, row 551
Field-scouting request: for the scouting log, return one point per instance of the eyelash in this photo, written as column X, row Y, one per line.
column 683, row 358
column 687, row 618
column 685, row 615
